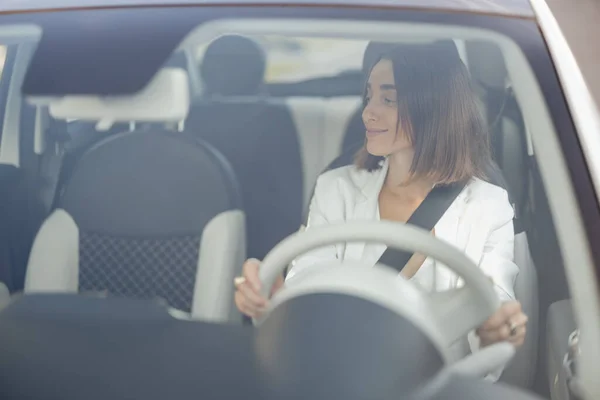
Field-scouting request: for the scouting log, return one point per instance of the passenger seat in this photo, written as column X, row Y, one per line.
column 150, row 214
column 256, row 134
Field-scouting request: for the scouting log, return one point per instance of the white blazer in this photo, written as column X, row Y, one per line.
column 478, row 222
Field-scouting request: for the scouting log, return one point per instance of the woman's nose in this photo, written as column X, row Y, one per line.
column 369, row 114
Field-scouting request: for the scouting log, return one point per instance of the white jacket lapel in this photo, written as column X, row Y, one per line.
column 367, row 208
column 449, row 228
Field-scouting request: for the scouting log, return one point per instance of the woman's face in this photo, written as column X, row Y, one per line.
column 384, row 135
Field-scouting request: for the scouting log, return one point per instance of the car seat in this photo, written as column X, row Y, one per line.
column 151, row 214
column 256, row 134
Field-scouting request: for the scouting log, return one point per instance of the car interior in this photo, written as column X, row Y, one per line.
column 231, row 160
column 104, row 218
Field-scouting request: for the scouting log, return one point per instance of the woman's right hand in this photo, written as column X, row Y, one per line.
column 247, row 295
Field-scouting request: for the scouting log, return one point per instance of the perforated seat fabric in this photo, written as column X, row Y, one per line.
column 160, row 268
column 256, row 134
column 146, row 214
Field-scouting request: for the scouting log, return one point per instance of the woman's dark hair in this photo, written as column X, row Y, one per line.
column 438, row 109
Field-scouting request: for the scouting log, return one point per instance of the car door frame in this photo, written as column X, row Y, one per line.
column 583, row 281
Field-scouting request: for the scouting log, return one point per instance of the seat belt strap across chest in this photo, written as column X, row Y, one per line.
column 425, row 216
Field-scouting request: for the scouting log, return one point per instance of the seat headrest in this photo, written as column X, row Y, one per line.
column 165, row 99
column 486, row 63
column 233, row 65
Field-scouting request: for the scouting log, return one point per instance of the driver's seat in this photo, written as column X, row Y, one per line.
column 521, row 370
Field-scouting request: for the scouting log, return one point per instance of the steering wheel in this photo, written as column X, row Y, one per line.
column 444, row 316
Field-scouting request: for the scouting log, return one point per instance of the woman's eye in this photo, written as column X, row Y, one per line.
column 389, row 101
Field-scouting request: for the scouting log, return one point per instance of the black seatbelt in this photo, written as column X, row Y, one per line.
column 425, row 216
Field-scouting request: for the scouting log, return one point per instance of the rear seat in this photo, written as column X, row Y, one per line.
column 257, row 135
column 321, row 124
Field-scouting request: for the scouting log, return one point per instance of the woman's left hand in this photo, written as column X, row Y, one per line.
column 507, row 324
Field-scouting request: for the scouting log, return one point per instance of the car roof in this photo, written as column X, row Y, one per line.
column 519, row 8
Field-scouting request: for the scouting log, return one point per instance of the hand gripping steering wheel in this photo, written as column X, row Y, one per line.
column 445, row 316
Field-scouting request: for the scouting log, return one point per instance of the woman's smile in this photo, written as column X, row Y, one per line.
column 372, row 132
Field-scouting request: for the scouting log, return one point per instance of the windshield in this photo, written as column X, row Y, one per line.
column 152, row 160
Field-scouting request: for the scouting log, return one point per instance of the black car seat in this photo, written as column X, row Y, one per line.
column 146, row 214
column 256, row 134
column 71, row 139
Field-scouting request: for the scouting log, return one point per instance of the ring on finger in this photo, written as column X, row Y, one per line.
column 512, row 328
column 239, row 280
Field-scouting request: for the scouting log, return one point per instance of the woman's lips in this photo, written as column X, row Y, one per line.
column 375, row 132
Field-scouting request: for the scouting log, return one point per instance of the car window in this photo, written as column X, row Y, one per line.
column 303, row 140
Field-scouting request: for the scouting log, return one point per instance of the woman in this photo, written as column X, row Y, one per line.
column 423, row 128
